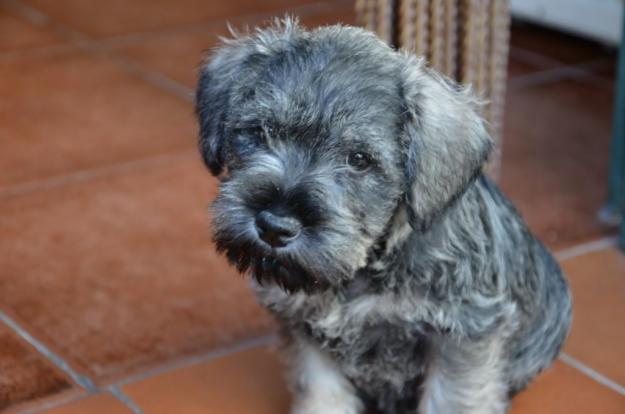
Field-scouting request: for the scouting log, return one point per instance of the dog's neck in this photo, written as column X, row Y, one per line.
column 381, row 258
column 398, row 246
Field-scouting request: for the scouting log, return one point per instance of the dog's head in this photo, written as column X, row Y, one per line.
column 326, row 144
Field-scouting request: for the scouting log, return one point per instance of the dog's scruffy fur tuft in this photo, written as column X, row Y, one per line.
column 408, row 282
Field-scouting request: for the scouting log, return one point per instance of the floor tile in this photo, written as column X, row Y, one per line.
column 598, row 334
column 118, row 273
column 555, row 158
column 607, row 68
column 16, row 33
column 519, row 67
column 249, row 382
column 24, row 374
column 564, row 390
column 98, row 404
column 72, row 111
column 115, row 17
column 177, row 54
column 560, row 47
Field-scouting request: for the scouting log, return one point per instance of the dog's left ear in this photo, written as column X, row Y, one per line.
column 218, row 75
column 445, row 139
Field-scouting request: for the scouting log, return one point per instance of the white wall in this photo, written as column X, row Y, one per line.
column 596, row 19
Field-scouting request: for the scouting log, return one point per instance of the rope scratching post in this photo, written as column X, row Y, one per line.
column 466, row 40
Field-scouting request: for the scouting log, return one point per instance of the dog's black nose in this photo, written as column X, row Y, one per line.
column 276, row 230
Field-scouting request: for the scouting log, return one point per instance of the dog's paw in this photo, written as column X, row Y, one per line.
column 345, row 404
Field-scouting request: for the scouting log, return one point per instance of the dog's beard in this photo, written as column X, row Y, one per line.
column 268, row 266
column 305, row 267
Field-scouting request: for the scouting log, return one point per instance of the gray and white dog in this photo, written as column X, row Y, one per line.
column 351, row 189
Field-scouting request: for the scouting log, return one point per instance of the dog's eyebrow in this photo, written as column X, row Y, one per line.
column 245, row 123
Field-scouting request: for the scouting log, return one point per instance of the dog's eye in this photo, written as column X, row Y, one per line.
column 249, row 135
column 360, row 161
column 255, row 133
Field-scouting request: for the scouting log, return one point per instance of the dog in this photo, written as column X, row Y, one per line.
column 351, row 190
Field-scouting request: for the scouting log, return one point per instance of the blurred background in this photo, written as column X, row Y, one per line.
column 112, row 299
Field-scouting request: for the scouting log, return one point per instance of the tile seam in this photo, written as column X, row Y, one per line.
column 166, row 83
column 114, row 41
column 80, row 380
column 90, row 45
column 38, row 18
column 50, row 405
column 153, row 77
column 533, row 58
column 210, row 355
column 124, row 398
column 86, row 175
column 554, row 75
column 581, row 249
column 591, row 373
column 310, row 9
column 83, row 381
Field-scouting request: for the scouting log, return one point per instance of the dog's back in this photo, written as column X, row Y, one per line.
column 541, row 293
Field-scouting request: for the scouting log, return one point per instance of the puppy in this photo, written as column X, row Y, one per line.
column 351, row 189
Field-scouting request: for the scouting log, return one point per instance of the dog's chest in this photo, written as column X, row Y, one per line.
column 384, row 360
column 383, row 357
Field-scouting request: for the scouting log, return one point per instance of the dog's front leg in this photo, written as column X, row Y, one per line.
column 319, row 386
column 465, row 377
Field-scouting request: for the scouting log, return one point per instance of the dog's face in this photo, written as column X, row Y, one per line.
column 319, row 142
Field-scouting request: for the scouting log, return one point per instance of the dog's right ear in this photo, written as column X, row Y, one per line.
column 447, row 141
column 218, row 76
column 229, row 67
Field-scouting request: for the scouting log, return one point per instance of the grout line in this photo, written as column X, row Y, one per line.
column 585, row 248
column 38, row 52
column 198, row 359
column 38, row 18
column 552, row 75
column 153, row 77
column 591, row 66
column 310, row 9
column 90, row 45
column 32, row 15
column 533, row 58
column 162, row 81
column 585, row 369
column 552, row 70
column 86, row 175
column 81, row 380
column 124, row 398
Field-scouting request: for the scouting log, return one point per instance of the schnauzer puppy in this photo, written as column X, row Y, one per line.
column 351, row 189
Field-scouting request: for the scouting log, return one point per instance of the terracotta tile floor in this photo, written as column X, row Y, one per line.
column 111, row 297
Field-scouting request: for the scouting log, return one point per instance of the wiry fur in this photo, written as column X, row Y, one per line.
column 414, row 286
